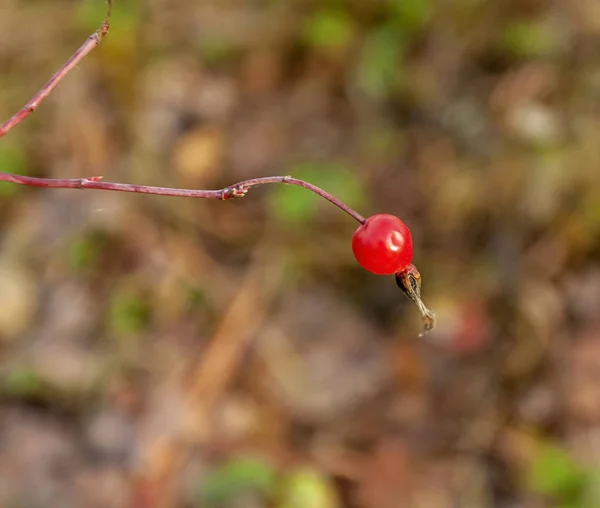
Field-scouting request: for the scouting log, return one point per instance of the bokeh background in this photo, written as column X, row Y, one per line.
column 167, row 352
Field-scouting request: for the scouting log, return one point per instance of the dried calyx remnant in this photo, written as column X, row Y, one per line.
column 409, row 281
column 383, row 240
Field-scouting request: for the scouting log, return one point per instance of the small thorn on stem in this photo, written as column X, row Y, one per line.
column 94, row 178
column 409, row 281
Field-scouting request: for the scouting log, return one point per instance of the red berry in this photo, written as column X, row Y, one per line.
column 383, row 245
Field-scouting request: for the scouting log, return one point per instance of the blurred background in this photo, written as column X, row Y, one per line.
column 168, row 352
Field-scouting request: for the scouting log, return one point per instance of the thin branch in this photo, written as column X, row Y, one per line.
column 236, row 190
column 91, row 42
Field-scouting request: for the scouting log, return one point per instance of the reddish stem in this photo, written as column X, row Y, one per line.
column 236, row 190
column 92, row 41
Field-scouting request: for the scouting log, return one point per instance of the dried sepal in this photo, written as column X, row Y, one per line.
column 409, row 281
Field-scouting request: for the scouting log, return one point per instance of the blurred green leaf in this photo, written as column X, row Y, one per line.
column 308, row 488
column 129, row 313
column 235, row 477
column 555, row 473
column 84, row 251
column 531, row 39
column 380, row 62
column 294, row 204
column 81, row 254
column 591, row 496
column 13, row 160
column 22, row 381
column 411, row 15
column 329, row 29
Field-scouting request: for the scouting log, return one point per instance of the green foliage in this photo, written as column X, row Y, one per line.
column 329, row 29
column 84, row 251
column 22, row 381
column 295, row 205
column 129, row 313
column 307, row 488
column 300, row 488
column 380, row 61
column 234, row 478
column 591, row 497
column 555, row 474
column 527, row 39
column 410, row 15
